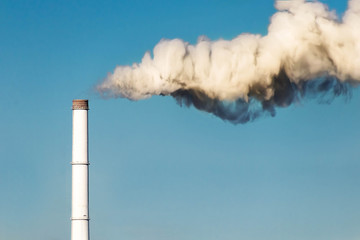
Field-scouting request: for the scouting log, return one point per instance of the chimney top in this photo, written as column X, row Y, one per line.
column 80, row 104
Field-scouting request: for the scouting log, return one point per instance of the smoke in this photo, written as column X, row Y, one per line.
column 308, row 51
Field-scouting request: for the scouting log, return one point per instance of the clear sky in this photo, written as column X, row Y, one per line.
column 159, row 171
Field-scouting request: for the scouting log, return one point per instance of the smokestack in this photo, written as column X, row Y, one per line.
column 80, row 172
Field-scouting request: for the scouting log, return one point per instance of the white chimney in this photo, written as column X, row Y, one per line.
column 80, row 172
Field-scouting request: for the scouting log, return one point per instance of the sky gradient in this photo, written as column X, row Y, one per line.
column 159, row 171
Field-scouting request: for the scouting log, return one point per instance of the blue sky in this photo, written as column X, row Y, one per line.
column 159, row 171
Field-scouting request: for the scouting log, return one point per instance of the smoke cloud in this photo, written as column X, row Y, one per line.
column 308, row 51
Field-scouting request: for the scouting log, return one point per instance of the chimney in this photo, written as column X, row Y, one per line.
column 80, row 172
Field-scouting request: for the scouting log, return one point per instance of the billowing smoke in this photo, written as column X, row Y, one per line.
column 308, row 51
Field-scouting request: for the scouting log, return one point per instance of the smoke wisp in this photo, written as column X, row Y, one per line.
column 308, row 51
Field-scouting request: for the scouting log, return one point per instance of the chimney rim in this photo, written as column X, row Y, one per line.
column 80, row 104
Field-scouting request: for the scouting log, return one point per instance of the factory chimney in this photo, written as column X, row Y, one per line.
column 80, row 172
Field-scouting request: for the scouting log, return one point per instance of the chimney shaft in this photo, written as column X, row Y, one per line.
column 80, row 172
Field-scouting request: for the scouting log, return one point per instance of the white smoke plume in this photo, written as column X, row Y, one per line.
column 308, row 50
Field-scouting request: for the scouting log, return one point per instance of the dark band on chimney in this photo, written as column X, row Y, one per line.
column 80, row 104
